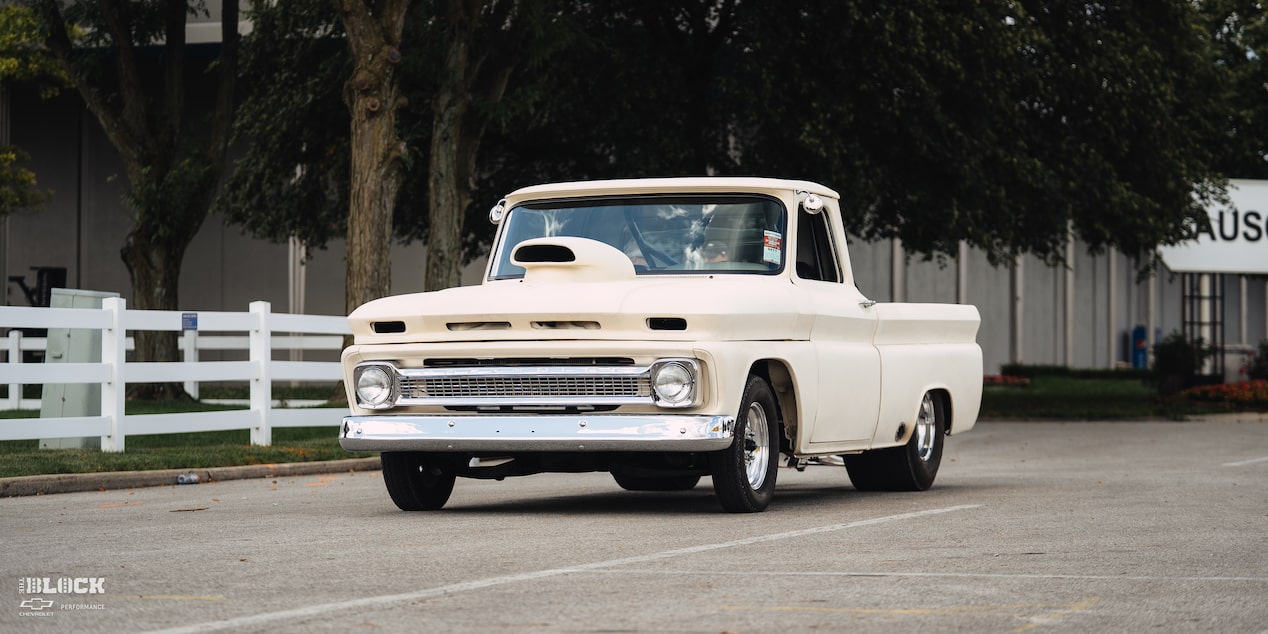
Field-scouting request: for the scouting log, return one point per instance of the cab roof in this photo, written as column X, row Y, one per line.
column 687, row 185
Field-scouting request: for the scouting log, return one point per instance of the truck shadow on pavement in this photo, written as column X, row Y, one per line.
column 700, row 500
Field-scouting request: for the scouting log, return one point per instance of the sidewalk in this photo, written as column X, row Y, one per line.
column 72, row 482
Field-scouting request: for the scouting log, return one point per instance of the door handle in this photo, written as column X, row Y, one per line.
column 867, row 303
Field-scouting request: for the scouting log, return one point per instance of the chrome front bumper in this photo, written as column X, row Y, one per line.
column 599, row 432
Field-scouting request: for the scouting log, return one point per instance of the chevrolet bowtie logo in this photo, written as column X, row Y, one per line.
column 37, row 603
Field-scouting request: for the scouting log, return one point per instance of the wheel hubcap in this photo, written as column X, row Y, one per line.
column 926, row 429
column 756, row 446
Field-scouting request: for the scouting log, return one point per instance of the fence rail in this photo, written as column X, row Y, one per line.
column 114, row 372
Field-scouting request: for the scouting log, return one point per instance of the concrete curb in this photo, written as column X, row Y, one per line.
column 108, row 480
column 1231, row 417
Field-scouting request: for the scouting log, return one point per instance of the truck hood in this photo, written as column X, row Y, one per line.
column 718, row 307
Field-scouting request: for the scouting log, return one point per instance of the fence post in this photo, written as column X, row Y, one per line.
column 261, row 353
column 15, row 356
column 189, row 350
column 114, row 350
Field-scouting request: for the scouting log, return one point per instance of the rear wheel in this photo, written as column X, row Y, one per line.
column 415, row 481
column 911, row 467
column 656, row 483
column 744, row 473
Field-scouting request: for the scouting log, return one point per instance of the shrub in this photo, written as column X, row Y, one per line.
column 1177, row 361
column 1257, row 362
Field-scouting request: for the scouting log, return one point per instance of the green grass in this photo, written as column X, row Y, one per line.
column 1055, row 397
column 172, row 451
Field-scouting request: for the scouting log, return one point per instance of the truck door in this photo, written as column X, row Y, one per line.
column 848, row 362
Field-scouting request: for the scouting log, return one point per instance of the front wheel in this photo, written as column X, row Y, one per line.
column 415, row 481
column 911, row 467
column 744, row 473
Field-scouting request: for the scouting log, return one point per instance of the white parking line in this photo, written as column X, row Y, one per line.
column 950, row 575
column 1245, row 462
column 387, row 599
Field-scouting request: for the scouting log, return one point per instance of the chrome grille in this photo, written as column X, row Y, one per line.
column 522, row 385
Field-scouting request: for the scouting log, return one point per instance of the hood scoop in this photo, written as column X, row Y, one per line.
column 566, row 259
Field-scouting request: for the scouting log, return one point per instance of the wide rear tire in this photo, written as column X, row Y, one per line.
column 415, row 482
column 911, row 467
column 744, row 473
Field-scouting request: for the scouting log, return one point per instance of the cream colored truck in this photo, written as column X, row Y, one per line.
column 661, row 330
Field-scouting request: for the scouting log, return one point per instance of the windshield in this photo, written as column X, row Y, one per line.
column 660, row 235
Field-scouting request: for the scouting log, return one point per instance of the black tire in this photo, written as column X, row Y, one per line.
column 911, row 467
column 653, row 483
column 415, row 482
column 744, row 473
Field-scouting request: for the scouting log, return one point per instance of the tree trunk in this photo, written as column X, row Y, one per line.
column 373, row 97
column 376, row 180
column 154, row 264
column 447, row 189
column 471, row 75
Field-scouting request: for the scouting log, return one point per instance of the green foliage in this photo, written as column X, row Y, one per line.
column 1239, row 35
column 18, row 188
column 1002, row 124
column 132, row 76
column 292, row 178
column 23, row 56
column 1177, row 362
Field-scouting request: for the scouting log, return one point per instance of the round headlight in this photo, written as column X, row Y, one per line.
column 674, row 384
column 374, row 386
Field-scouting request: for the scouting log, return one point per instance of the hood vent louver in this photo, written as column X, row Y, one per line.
column 478, row 325
column 666, row 323
column 388, row 327
column 566, row 325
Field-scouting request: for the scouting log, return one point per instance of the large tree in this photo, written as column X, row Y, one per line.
column 1002, row 124
column 479, row 44
column 129, row 62
column 323, row 152
column 420, row 107
column 998, row 123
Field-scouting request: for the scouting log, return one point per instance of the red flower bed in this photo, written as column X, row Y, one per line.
column 1244, row 394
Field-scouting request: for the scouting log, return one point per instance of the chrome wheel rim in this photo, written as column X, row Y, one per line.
column 926, row 429
column 756, row 446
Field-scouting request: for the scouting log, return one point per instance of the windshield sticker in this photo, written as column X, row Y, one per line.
column 772, row 246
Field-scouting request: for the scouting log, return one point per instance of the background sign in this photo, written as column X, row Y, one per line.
column 1236, row 240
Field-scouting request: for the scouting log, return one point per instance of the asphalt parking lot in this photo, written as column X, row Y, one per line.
column 1031, row 527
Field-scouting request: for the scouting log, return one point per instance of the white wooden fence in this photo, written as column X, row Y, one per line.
column 114, row 372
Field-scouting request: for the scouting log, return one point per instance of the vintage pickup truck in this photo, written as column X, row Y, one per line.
column 660, row 330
